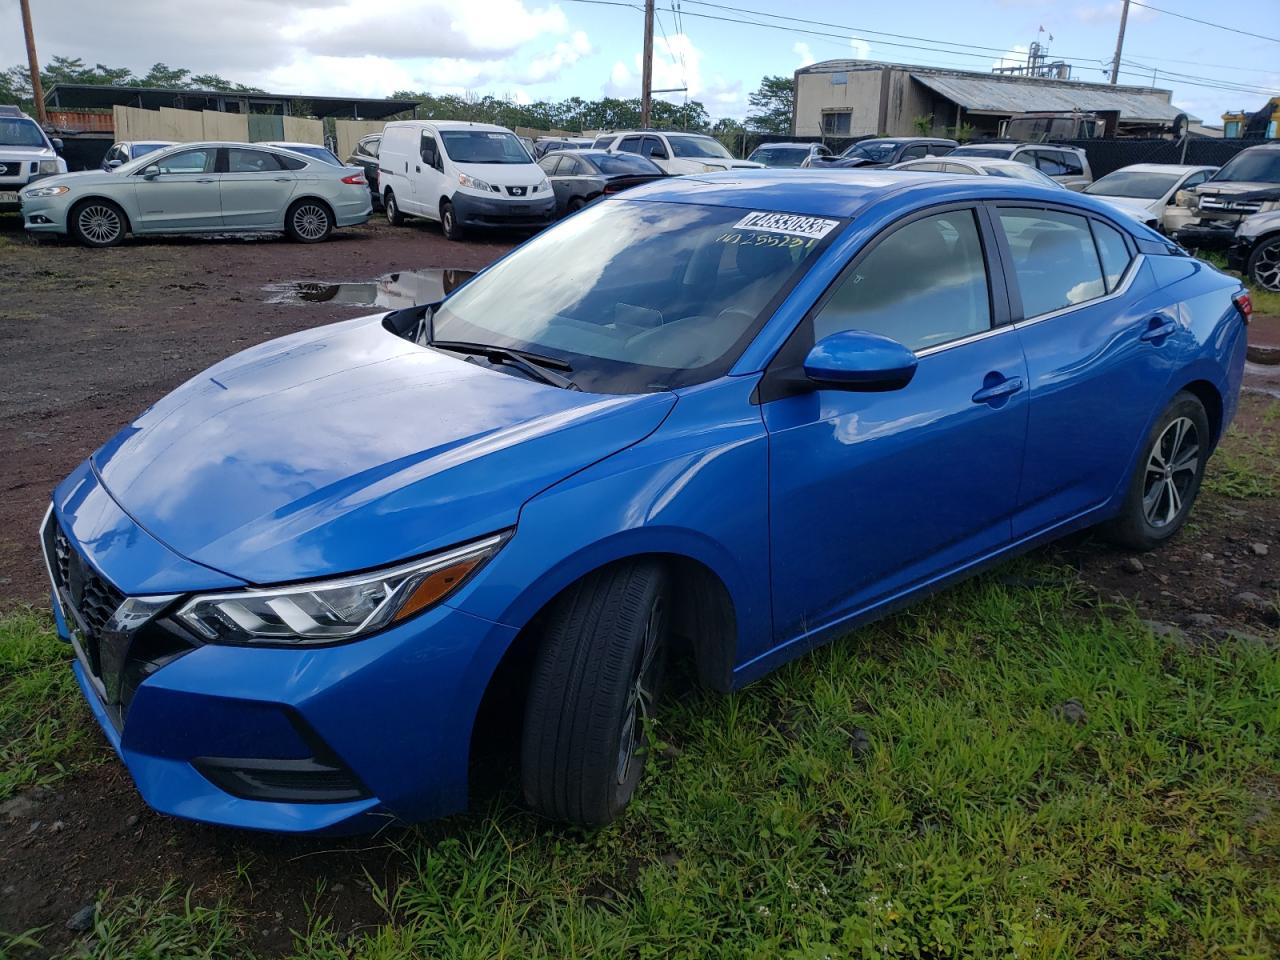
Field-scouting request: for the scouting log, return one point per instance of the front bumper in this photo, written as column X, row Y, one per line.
column 1239, row 252
column 1206, row 234
column 480, row 212
column 302, row 740
column 45, row 214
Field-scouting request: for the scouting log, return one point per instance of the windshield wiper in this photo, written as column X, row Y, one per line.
column 537, row 366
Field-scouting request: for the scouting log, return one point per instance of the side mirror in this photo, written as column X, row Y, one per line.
column 113, row 163
column 658, row 155
column 151, row 172
column 859, row 361
column 57, row 144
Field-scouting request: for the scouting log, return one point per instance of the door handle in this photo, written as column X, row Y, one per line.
column 1158, row 328
column 417, row 169
column 282, row 179
column 998, row 391
column 208, row 180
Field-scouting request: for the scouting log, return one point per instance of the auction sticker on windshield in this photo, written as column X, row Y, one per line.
column 814, row 228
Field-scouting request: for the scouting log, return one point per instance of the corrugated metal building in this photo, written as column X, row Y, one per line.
column 850, row 98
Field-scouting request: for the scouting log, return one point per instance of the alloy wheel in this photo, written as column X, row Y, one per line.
column 1266, row 266
column 310, row 222
column 640, row 698
column 390, row 208
column 1171, row 471
column 100, row 224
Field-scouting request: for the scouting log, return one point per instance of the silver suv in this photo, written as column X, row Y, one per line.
column 1067, row 165
column 1247, row 185
column 26, row 154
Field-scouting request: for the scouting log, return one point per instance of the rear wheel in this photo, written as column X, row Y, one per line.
column 392, row 209
column 1167, row 478
column 97, row 223
column 308, row 221
column 449, row 221
column 1264, row 264
column 576, row 204
column 594, row 687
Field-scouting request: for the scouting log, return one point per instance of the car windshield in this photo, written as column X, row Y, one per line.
column 20, row 132
column 140, row 148
column 981, row 152
column 1133, row 183
column 623, row 163
column 483, row 146
column 876, row 151
column 1258, row 166
column 317, row 153
column 638, row 296
column 780, row 156
column 683, row 146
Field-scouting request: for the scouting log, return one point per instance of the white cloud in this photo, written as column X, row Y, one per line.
column 861, row 49
column 801, row 50
column 1108, row 13
column 1014, row 56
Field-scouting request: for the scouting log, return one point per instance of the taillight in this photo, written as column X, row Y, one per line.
column 356, row 179
column 1244, row 303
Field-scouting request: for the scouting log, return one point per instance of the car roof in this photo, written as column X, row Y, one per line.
column 1163, row 168
column 844, row 192
column 291, row 145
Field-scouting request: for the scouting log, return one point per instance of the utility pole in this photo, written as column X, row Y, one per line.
column 37, row 89
column 1115, row 64
column 646, row 66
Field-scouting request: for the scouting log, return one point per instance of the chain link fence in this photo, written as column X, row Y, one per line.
column 1106, row 156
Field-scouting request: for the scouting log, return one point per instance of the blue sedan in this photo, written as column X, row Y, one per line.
column 731, row 416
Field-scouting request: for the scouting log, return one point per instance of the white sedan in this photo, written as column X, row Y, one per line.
column 1150, row 188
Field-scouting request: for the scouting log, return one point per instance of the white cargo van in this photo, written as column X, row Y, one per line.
column 461, row 174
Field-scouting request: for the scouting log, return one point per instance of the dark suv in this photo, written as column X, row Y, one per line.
column 885, row 151
column 1248, row 184
column 365, row 156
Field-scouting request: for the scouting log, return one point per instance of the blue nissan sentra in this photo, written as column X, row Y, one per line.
column 729, row 416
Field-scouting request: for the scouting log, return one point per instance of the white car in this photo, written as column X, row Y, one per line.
column 26, row 155
column 462, row 175
column 1150, row 188
column 678, row 153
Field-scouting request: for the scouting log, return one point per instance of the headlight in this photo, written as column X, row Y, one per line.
column 332, row 610
column 1184, row 198
column 474, row 183
column 48, row 166
column 46, row 191
column 544, row 185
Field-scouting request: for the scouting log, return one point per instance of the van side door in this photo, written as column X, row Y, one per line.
column 430, row 185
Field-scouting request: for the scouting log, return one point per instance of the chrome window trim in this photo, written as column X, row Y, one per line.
column 971, row 338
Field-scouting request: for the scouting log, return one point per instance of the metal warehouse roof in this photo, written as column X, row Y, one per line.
column 74, row 95
column 980, row 94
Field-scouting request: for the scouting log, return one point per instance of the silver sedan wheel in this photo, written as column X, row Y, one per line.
column 310, row 222
column 1266, row 266
column 1171, row 471
column 640, row 699
column 100, row 224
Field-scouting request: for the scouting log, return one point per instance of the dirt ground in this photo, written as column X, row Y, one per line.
column 89, row 338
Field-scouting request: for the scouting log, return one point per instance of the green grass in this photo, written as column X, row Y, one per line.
column 1265, row 302
column 979, row 823
column 44, row 730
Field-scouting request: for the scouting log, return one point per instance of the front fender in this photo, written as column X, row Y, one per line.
column 696, row 488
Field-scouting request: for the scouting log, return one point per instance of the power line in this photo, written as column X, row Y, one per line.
column 1182, row 16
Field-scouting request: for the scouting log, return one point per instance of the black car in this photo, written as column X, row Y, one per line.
column 885, row 151
column 365, row 155
column 580, row 176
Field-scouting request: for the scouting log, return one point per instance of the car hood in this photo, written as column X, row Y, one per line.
column 347, row 448
column 1131, row 204
column 81, row 178
column 504, row 174
column 1234, row 187
column 15, row 152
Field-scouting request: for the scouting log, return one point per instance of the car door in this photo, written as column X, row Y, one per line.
column 256, row 189
column 563, row 189
column 873, row 494
column 1099, row 337
column 429, row 186
column 179, row 191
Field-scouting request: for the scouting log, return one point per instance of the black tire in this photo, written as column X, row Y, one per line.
column 392, row 209
column 1167, row 477
column 1264, row 264
column 576, row 204
column 449, row 221
column 584, row 730
column 97, row 223
column 308, row 221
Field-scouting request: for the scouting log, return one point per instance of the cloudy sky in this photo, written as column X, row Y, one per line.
column 550, row 49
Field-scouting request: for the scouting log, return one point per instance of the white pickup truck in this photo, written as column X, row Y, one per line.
column 26, row 154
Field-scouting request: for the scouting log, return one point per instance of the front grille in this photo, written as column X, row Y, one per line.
column 519, row 191
column 79, row 585
column 1230, row 206
column 10, row 169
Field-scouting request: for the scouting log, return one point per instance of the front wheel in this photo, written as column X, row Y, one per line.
column 449, row 221
column 1264, row 264
column 97, row 223
column 1167, row 478
column 308, row 221
column 392, row 209
column 595, row 683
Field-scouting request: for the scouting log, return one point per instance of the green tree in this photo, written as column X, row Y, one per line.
column 166, row 77
column 771, row 105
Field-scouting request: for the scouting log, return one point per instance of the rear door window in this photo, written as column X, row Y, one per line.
column 911, row 153
column 1113, row 251
column 251, row 161
column 924, row 284
column 1055, row 261
column 630, row 145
